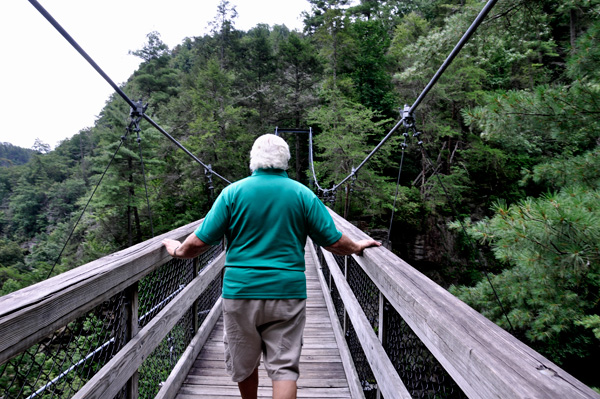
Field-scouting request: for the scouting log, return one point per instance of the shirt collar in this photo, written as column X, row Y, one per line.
column 270, row 171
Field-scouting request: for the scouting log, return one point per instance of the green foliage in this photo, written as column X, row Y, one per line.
column 584, row 64
column 548, row 121
column 373, row 85
column 551, row 245
column 300, row 71
column 155, row 48
column 561, row 172
column 11, row 155
column 513, row 117
column 155, row 80
column 346, row 128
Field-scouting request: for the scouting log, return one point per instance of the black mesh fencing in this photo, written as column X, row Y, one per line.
column 324, row 266
column 418, row 369
column 158, row 288
column 341, row 262
column 363, row 368
column 157, row 367
column 59, row 365
column 207, row 299
column 422, row 374
column 365, row 291
column 338, row 304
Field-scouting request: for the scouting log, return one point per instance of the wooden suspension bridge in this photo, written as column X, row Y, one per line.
column 138, row 323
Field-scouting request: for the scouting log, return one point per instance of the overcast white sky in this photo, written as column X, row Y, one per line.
column 49, row 91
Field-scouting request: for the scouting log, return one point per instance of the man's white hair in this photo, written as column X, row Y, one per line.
column 269, row 152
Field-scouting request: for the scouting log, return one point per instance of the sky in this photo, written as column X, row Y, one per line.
column 48, row 91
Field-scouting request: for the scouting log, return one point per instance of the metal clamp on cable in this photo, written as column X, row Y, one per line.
column 209, row 173
column 139, row 110
column 408, row 119
column 416, row 135
column 353, row 181
column 332, row 197
column 136, row 116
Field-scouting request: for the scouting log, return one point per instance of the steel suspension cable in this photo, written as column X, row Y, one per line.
column 311, row 159
column 409, row 111
column 85, row 207
column 461, row 43
column 139, row 140
column 120, row 92
column 403, row 145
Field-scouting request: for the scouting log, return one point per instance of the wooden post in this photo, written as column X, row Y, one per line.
column 132, row 310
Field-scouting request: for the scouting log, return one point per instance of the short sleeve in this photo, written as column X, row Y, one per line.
column 321, row 227
column 214, row 226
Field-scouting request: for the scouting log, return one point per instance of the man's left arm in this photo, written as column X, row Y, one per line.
column 190, row 248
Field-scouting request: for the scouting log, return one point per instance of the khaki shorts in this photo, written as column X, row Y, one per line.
column 272, row 327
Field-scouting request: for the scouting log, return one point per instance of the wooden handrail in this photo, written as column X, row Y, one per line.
column 388, row 381
column 30, row 314
column 107, row 382
column 483, row 359
column 356, row 390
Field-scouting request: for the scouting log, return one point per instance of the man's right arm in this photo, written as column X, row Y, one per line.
column 346, row 246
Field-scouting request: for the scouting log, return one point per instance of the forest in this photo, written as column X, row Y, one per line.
column 499, row 196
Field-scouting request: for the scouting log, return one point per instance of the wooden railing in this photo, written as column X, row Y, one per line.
column 32, row 318
column 484, row 360
column 481, row 359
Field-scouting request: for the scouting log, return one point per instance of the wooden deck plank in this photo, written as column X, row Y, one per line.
column 321, row 370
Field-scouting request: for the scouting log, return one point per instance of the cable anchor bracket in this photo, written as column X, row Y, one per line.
column 353, row 181
column 408, row 119
column 140, row 109
column 208, row 171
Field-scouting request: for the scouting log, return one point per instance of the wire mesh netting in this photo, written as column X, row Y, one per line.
column 420, row 371
column 207, row 300
column 341, row 262
column 59, row 365
column 159, row 287
column 338, row 303
column 175, row 275
column 156, row 291
column 157, row 367
column 365, row 291
column 323, row 265
column 363, row 368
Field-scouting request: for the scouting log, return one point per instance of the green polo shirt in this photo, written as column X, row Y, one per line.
column 266, row 218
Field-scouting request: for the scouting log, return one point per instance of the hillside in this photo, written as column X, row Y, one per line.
column 11, row 155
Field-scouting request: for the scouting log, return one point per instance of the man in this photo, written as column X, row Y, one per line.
column 266, row 219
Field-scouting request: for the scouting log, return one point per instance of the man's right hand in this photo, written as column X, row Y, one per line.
column 345, row 246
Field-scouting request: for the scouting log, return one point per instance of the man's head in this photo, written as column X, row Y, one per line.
column 269, row 152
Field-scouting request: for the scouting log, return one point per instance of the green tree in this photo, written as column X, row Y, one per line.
column 258, row 67
column 372, row 82
column 223, row 29
column 342, row 144
column 120, row 206
column 300, row 73
column 155, row 80
column 552, row 285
